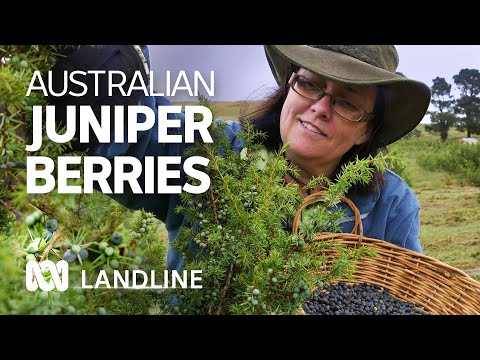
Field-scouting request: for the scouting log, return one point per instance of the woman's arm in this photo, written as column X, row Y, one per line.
column 402, row 206
column 97, row 61
column 128, row 60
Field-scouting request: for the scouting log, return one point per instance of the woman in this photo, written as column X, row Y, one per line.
column 334, row 102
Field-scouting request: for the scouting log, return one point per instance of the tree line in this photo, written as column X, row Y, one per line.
column 463, row 112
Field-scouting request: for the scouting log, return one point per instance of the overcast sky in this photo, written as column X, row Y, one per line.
column 242, row 71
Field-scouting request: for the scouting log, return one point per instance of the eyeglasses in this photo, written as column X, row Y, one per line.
column 343, row 107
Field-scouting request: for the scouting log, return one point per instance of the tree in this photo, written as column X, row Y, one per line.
column 444, row 118
column 441, row 122
column 470, row 106
column 468, row 82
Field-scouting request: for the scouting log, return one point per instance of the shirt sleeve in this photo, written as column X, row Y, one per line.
column 403, row 221
column 128, row 60
column 408, row 230
column 162, row 205
column 147, row 145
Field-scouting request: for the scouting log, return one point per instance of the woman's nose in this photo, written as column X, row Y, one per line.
column 322, row 107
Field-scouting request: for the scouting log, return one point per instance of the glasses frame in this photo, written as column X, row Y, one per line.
column 366, row 116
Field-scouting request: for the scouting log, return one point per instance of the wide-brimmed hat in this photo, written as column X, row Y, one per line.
column 406, row 100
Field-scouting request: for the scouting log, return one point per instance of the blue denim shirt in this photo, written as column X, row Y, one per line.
column 390, row 213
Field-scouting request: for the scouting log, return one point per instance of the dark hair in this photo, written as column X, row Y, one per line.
column 266, row 118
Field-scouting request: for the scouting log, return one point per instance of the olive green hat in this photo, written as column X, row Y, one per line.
column 406, row 100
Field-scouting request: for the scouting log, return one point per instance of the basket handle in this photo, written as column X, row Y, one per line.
column 310, row 199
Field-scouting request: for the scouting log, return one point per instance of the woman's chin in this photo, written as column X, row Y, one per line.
column 303, row 151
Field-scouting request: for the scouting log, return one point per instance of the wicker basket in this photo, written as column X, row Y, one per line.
column 439, row 288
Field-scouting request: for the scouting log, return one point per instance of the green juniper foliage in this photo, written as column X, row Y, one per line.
column 17, row 64
column 251, row 263
column 91, row 232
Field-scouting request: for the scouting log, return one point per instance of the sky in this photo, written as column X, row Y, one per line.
column 242, row 71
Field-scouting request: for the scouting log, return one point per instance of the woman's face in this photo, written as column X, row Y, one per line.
column 316, row 135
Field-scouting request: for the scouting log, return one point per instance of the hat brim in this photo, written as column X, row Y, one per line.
column 406, row 100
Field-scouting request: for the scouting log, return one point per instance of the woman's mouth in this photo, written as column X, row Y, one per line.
column 312, row 128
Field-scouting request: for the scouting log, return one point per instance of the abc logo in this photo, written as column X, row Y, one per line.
column 36, row 273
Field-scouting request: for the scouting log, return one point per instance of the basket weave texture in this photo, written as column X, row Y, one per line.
column 439, row 288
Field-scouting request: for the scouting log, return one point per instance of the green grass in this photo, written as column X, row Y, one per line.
column 450, row 210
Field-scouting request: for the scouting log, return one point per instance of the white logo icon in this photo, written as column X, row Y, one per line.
column 35, row 272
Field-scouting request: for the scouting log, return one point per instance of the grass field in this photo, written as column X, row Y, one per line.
column 450, row 210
